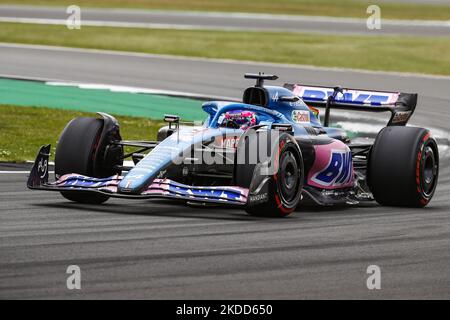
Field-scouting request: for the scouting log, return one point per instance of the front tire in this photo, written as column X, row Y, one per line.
column 284, row 185
column 403, row 167
column 76, row 153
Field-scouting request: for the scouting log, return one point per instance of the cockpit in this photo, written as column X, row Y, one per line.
column 238, row 119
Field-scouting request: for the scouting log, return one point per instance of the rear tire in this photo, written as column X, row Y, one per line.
column 75, row 153
column 403, row 167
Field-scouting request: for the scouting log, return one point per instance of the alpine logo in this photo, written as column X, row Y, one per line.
column 338, row 172
column 275, row 97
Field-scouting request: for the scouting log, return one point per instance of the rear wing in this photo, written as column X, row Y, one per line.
column 401, row 105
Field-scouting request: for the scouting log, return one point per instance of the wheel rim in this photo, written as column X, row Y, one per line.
column 289, row 177
column 429, row 171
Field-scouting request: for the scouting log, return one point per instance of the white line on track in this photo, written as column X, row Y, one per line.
column 141, row 25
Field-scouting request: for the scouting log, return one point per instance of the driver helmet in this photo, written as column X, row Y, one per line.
column 239, row 119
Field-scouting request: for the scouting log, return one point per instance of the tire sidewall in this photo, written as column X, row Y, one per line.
column 423, row 198
column 283, row 205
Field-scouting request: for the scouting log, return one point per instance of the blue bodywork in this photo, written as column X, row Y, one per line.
column 164, row 154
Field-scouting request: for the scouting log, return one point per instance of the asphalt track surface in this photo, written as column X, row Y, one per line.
column 154, row 250
column 224, row 21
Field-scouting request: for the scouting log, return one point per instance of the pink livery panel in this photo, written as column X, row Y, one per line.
column 333, row 166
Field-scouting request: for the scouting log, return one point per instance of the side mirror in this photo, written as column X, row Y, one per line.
column 171, row 118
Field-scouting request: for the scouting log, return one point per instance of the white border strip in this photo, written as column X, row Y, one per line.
column 128, row 89
column 141, row 25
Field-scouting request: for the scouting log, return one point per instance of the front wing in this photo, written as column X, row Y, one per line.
column 159, row 188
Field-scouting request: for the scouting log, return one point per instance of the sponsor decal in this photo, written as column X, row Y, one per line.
column 338, row 172
column 401, row 116
column 301, row 116
column 227, row 142
column 161, row 174
column 373, row 98
column 296, row 104
column 258, row 198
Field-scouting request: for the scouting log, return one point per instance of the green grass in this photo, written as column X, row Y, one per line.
column 341, row 8
column 389, row 53
column 24, row 129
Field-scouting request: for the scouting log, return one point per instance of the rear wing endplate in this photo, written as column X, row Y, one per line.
column 401, row 105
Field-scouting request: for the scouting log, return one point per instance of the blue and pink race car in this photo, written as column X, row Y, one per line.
column 269, row 154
